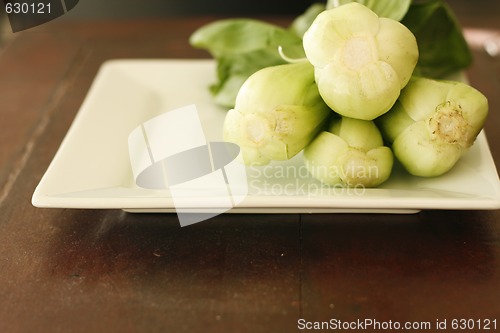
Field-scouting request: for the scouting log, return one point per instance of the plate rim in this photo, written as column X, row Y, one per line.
column 42, row 199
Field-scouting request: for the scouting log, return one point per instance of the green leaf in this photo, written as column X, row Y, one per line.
column 241, row 47
column 301, row 23
column 442, row 46
column 234, row 69
column 394, row 9
column 239, row 36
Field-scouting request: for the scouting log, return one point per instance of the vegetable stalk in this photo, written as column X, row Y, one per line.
column 433, row 124
column 351, row 153
column 278, row 112
column 361, row 61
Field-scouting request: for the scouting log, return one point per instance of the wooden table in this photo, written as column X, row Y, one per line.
column 66, row 270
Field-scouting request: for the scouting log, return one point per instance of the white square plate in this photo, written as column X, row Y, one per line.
column 92, row 167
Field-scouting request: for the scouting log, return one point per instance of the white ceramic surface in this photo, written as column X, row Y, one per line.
column 92, row 168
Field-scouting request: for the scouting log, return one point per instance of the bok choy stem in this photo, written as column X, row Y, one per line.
column 433, row 124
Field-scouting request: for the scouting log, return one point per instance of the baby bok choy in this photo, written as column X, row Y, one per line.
column 361, row 60
column 350, row 153
column 433, row 123
column 278, row 111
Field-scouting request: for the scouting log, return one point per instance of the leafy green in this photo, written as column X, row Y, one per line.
column 394, row 9
column 442, row 46
column 278, row 112
column 242, row 47
column 300, row 25
column 350, row 153
column 361, row 61
column 433, row 124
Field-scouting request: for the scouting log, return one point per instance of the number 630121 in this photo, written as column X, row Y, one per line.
column 27, row 8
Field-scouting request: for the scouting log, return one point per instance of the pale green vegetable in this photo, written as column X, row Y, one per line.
column 433, row 124
column 242, row 47
column 351, row 153
column 361, row 61
column 278, row 112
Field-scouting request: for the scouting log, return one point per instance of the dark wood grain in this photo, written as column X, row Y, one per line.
column 64, row 270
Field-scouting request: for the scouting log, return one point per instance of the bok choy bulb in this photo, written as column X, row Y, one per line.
column 433, row 124
column 351, row 153
column 361, row 61
column 278, row 111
